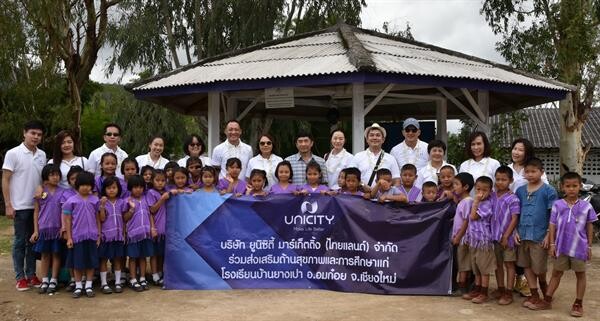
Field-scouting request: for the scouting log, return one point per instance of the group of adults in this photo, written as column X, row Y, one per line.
column 22, row 166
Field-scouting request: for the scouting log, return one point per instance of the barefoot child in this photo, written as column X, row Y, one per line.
column 462, row 185
column 47, row 225
column 112, row 244
column 571, row 235
column 506, row 216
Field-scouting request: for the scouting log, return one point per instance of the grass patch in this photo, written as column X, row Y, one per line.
column 5, row 223
column 6, row 237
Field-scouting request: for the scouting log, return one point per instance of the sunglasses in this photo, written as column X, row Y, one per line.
column 109, row 134
column 268, row 143
column 411, row 130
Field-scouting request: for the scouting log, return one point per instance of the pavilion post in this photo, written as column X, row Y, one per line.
column 483, row 100
column 441, row 116
column 232, row 108
column 214, row 120
column 358, row 117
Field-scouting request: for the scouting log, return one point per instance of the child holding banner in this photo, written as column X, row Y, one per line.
column 209, row 177
column 258, row 181
column 232, row 183
column 462, row 186
column 284, row 174
column 384, row 191
column 408, row 173
column 313, row 180
column 351, row 182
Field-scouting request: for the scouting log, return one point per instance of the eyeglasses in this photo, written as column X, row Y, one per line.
column 195, row 144
column 109, row 134
column 268, row 143
column 411, row 130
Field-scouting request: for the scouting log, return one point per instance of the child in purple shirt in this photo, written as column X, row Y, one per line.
column 351, row 182
column 384, row 191
column 140, row 231
column 112, row 243
column 108, row 168
column 284, row 174
column 47, row 225
column 258, row 181
column 408, row 173
column 313, row 180
column 194, row 167
column 81, row 215
column 480, row 240
column 571, row 234
column 180, row 179
column 156, row 198
column 462, row 184
column 232, row 183
column 71, row 178
column 506, row 216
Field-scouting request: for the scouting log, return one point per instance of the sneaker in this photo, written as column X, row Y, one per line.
column 470, row 295
column 541, row 305
column 22, row 285
column 34, row 281
column 577, row 310
column 496, row 294
column 481, row 298
column 506, row 299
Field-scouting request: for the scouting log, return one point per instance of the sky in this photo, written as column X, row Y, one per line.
column 451, row 24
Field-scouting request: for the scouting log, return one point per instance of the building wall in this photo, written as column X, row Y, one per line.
column 591, row 167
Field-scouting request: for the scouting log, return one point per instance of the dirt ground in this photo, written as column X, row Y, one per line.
column 157, row 304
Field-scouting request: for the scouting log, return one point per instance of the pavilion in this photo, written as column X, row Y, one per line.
column 361, row 74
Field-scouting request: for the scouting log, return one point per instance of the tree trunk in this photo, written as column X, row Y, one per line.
column 572, row 153
column 75, row 102
column 169, row 28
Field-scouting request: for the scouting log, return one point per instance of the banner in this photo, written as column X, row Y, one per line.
column 341, row 243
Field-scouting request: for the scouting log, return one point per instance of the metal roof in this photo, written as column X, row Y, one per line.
column 542, row 128
column 327, row 52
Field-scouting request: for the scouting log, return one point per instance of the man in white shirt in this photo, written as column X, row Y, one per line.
column 21, row 175
column 368, row 160
column 412, row 150
column 230, row 148
column 112, row 138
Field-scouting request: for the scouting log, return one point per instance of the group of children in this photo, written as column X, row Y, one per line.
column 107, row 218
column 495, row 229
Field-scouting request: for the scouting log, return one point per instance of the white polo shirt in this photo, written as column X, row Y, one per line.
column 226, row 150
column 417, row 156
column 486, row 166
column 26, row 167
column 365, row 161
column 267, row 164
column 429, row 173
column 144, row 160
column 335, row 164
column 205, row 161
column 96, row 155
column 66, row 165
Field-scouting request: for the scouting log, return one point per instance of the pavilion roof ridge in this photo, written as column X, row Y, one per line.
column 358, row 55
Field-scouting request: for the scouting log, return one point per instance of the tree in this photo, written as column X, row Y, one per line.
column 561, row 40
column 72, row 32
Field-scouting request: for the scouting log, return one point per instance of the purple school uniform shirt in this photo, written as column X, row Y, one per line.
column 112, row 227
column 571, row 231
column 504, row 208
column 239, row 188
column 83, row 213
column 160, row 217
column 316, row 190
column 197, row 182
column 413, row 195
column 277, row 189
column 463, row 209
column 480, row 230
column 346, row 192
column 138, row 226
column 49, row 217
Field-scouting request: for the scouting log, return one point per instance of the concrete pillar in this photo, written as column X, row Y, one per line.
column 358, row 117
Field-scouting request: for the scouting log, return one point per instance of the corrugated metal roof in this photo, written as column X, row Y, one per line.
column 542, row 128
column 325, row 53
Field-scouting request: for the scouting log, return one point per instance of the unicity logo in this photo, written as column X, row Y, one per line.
column 308, row 216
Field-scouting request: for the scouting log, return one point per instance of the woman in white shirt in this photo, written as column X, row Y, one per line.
column 337, row 159
column 193, row 145
column 521, row 151
column 65, row 153
column 265, row 160
column 154, row 157
column 479, row 163
column 429, row 173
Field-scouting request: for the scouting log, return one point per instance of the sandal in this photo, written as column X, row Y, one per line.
column 70, row 287
column 43, row 287
column 118, row 288
column 136, row 286
column 145, row 285
column 89, row 292
column 77, row 293
column 106, row 289
column 52, row 287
